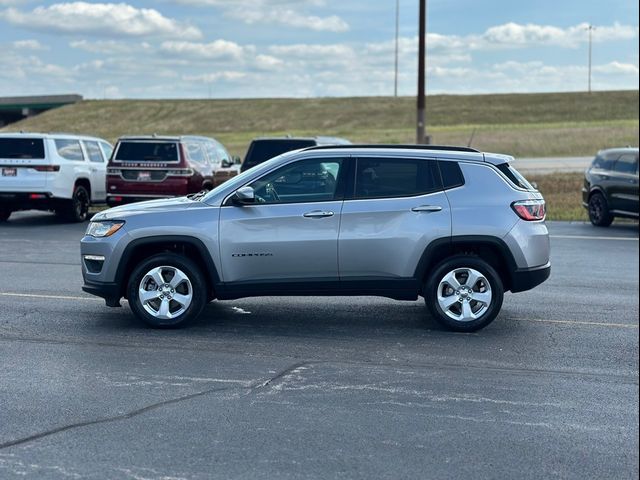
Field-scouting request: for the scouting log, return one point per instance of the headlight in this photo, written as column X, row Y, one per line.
column 103, row 229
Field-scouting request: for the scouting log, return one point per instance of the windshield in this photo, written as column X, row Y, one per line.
column 24, row 148
column 147, row 152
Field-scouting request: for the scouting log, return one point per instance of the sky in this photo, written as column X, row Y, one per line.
column 311, row 48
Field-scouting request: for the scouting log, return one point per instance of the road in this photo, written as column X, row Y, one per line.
column 552, row 164
column 320, row 387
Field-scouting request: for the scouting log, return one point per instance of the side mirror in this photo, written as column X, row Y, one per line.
column 226, row 163
column 244, row 196
column 236, row 160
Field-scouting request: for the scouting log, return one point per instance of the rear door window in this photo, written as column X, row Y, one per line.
column 93, row 151
column 23, row 148
column 129, row 151
column 395, row 177
column 69, row 149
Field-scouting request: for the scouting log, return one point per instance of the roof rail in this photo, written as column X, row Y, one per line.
column 448, row 148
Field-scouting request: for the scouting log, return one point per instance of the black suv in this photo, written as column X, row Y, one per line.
column 262, row 149
column 611, row 186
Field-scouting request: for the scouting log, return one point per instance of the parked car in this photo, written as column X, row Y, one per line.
column 262, row 149
column 147, row 167
column 611, row 186
column 454, row 225
column 60, row 172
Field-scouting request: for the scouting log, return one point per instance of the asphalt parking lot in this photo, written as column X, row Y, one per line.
column 320, row 387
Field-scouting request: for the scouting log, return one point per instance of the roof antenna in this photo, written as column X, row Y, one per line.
column 473, row 134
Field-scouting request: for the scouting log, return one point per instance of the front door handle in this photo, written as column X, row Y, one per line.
column 318, row 214
column 427, row 208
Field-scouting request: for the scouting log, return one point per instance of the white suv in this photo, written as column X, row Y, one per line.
column 59, row 172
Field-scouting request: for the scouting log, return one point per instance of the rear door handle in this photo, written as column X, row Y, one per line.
column 427, row 208
column 318, row 214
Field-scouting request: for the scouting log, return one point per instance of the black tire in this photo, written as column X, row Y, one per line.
column 599, row 213
column 76, row 209
column 198, row 290
column 458, row 264
column 5, row 213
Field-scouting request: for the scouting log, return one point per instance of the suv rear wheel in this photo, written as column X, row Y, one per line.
column 599, row 214
column 167, row 290
column 464, row 293
column 76, row 209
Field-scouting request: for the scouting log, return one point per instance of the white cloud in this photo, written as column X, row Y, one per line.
column 110, row 47
column 213, row 77
column 268, row 62
column 100, row 19
column 29, row 45
column 279, row 12
column 213, row 50
column 516, row 35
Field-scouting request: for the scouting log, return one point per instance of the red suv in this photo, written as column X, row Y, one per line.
column 148, row 167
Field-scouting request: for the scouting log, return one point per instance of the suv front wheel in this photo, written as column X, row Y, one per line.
column 599, row 214
column 464, row 293
column 167, row 290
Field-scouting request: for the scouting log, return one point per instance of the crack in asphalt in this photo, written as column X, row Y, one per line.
column 139, row 411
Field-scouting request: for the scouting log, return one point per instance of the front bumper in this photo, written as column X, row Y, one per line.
column 526, row 278
column 109, row 291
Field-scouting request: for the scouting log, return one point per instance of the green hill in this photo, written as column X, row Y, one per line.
column 543, row 124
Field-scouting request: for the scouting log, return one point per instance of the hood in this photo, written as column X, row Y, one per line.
column 151, row 206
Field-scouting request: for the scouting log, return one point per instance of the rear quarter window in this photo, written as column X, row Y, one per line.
column 147, row 152
column 69, row 149
column 23, row 148
column 515, row 177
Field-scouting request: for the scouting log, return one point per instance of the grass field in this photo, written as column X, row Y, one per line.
column 532, row 125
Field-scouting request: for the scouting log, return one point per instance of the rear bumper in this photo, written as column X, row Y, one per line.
column 109, row 291
column 527, row 278
column 29, row 201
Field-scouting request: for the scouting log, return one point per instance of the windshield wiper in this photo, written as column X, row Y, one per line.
column 197, row 196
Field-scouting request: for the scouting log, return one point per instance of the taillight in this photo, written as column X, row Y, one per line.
column 530, row 210
column 180, row 172
column 47, row 168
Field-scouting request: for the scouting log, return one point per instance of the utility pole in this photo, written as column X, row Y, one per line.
column 591, row 28
column 421, row 137
column 395, row 84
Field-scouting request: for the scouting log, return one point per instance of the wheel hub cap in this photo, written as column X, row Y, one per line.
column 165, row 292
column 464, row 294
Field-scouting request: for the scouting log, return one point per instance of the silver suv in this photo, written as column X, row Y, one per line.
column 453, row 225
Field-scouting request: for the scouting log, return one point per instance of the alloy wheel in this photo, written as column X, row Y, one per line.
column 165, row 292
column 464, row 294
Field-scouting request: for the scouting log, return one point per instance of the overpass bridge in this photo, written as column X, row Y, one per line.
column 13, row 109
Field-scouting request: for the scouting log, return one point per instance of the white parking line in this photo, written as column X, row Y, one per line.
column 588, row 237
column 578, row 322
column 55, row 297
